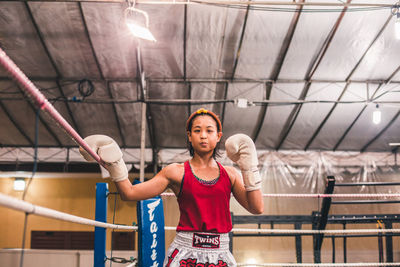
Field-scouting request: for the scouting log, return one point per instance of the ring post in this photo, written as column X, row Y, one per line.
column 99, row 232
column 151, row 232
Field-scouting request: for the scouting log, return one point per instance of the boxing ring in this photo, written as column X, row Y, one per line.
column 151, row 234
column 151, row 223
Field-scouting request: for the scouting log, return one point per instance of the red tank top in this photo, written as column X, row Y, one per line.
column 205, row 207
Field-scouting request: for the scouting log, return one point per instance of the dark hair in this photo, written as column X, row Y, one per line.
column 189, row 128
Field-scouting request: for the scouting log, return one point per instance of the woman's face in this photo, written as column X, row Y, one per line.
column 204, row 134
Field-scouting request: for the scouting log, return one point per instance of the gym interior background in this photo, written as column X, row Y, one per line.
column 315, row 84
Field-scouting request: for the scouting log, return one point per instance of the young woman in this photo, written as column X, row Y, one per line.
column 202, row 186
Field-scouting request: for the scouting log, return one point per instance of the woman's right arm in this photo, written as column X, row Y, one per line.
column 147, row 189
column 110, row 153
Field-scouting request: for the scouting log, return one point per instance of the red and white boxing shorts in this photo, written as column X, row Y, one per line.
column 193, row 249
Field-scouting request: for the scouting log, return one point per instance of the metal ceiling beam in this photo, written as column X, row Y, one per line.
column 310, row 72
column 143, row 89
column 381, row 132
column 277, row 68
column 16, row 125
column 387, row 125
column 185, row 11
column 145, row 117
column 46, row 126
column 225, row 95
column 153, row 141
column 388, row 81
column 326, row 118
column 208, row 101
column 263, row 111
column 188, row 85
column 114, row 107
column 107, row 83
column 189, row 88
column 221, row 89
column 196, row 80
column 236, row 61
column 71, row 115
column 240, row 43
column 292, row 117
column 348, row 83
column 82, row 15
column 41, row 39
column 52, row 62
column 226, row 81
column 46, row 50
column 353, row 122
column 230, row 2
column 243, row 80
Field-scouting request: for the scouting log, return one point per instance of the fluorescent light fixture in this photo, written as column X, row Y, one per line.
column 397, row 26
column 136, row 24
column 396, row 14
column 376, row 116
column 19, row 184
column 394, row 144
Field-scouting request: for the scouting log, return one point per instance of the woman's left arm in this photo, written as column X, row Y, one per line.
column 250, row 200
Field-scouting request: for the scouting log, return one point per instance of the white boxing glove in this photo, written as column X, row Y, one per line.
column 240, row 149
column 109, row 151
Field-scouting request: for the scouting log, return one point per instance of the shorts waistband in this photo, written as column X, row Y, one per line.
column 201, row 240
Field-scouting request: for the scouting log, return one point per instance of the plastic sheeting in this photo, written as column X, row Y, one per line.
column 300, row 172
column 306, row 173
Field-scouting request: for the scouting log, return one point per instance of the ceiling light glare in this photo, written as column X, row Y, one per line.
column 140, row 31
column 138, row 23
column 251, row 261
column 376, row 116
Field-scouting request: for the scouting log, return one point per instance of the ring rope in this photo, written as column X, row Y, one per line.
column 27, row 207
column 332, row 232
column 379, row 195
column 43, row 104
column 38, row 210
column 361, row 264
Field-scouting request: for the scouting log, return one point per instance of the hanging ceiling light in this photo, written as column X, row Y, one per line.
column 396, row 14
column 376, row 115
column 397, row 26
column 138, row 23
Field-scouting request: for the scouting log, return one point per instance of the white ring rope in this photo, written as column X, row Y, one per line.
column 27, row 207
column 380, row 195
column 321, row 264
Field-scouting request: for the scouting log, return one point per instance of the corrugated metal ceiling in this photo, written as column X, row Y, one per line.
column 313, row 73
